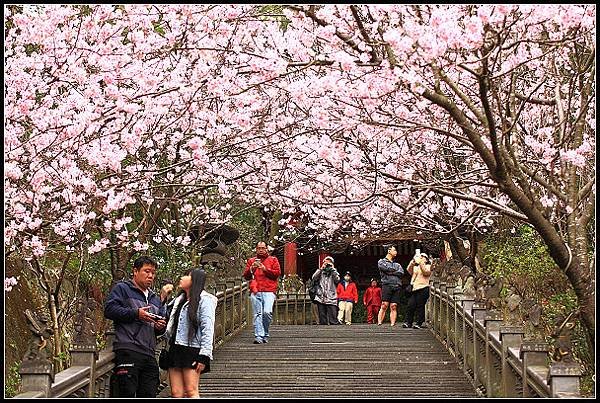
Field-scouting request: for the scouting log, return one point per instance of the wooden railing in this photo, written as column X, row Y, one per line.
column 91, row 369
column 294, row 309
column 495, row 357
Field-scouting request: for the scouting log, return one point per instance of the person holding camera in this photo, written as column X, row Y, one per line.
column 138, row 317
column 262, row 271
column 391, row 274
column 190, row 331
column 326, row 296
column 420, row 270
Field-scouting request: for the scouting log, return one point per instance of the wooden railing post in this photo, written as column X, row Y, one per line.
column 563, row 379
column 467, row 303
column 479, row 313
column 450, row 314
column 458, row 311
column 492, row 322
column 442, row 313
column 224, row 312
column 510, row 337
column 435, row 297
column 533, row 354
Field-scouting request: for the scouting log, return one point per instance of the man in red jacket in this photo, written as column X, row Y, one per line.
column 372, row 300
column 262, row 270
column 347, row 295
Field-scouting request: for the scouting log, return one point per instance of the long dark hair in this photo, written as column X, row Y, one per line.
column 198, row 281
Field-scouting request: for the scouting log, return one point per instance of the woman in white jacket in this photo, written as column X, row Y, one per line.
column 190, row 331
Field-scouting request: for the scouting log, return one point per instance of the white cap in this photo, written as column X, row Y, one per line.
column 329, row 258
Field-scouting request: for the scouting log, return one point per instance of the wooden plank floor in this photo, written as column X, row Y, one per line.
column 356, row 360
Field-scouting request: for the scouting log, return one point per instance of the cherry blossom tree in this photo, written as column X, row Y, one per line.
column 506, row 91
column 432, row 117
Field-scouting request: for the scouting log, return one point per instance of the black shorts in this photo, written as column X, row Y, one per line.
column 391, row 293
column 184, row 357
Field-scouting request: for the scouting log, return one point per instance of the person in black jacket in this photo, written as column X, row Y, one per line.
column 139, row 317
column 391, row 274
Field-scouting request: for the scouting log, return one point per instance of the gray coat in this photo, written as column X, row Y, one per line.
column 326, row 293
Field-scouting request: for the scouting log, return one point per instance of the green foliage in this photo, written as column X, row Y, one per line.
column 12, row 386
column 275, row 12
column 523, row 260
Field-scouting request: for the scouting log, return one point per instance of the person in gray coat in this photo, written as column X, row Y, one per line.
column 326, row 296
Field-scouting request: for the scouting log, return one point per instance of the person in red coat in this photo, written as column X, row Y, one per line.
column 372, row 300
column 347, row 295
column 263, row 271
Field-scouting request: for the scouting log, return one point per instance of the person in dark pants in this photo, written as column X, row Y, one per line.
column 420, row 270
column 326, row 297
column 391, row 274
column 139, row 317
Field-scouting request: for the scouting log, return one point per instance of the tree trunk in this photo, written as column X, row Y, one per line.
column 459, row 250
column 57, row 336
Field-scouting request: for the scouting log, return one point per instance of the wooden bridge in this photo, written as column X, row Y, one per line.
column 358, row 360
column 467, row 351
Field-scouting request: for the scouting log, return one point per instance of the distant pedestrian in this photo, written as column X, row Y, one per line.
column 263, row 271
column 347, row 296
column 326, row 297
column 372, row 300
column 391, row 274
column 420, row 270
column 190, row 331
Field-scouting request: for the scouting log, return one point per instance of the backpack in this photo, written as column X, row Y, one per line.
column 313, row 288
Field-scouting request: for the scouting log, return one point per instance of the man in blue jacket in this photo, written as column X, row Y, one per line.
column 138, row 316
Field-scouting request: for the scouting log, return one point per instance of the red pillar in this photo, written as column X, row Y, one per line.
column 290, row 254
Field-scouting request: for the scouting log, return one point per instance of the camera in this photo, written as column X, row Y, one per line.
column 155, row 316
column 328, row 265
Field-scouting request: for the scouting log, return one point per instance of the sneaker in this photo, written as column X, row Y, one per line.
column 379, row 324
column 415, row 326
column 265, row 341
column 392, row 324
column 405, row 325
column 256, row 341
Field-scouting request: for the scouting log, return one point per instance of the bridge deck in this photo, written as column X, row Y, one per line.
column 335, row 361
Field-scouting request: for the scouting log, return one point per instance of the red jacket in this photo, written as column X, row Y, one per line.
column 348, row 293
column 266, row 278
column 372, row 296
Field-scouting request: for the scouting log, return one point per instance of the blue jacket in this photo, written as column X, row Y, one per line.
column 391, row 272
column 203, row 339
column 122, row 307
